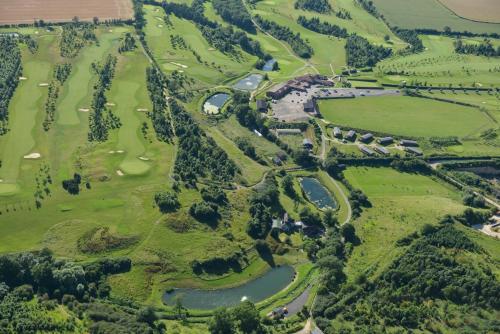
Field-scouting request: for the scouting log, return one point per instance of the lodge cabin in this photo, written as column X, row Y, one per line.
column 366, row 151
column 408, row 143
column 385, row 141
column 414, row 150
column 311, row 107
column 366, row 138
column 381, row 150
column 337, row 133
column 262, row 106
column 351, row 135
column 307, row 143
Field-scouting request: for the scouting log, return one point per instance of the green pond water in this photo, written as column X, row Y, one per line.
column 272, row 282
column 317, row 193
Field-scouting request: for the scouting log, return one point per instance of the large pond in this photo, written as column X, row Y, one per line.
column 250, row 82
column 255, row 291
column 317, row 193
column 215, row 102
column 268, row 66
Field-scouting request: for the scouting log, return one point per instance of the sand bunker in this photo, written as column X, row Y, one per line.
column 119, row 172
column 111, row 152
column 109, row 104
column 177, row 64
column 142, row 109
column 34, row 155
column 23, row 78
column 160, row 26
column 84, row 109
column 43, row 84
column 143, row 158
column 120, row 151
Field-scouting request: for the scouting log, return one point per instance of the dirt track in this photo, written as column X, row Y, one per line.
column 26, row 11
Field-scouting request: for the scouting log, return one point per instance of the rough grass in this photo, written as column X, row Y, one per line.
column 401, row 204
column 101, row 239
column 404, row 115
column 428, row 14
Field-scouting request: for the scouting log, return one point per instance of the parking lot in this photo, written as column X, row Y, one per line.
column 291, row 107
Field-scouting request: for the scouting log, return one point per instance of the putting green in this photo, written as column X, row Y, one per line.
column 23, row 109
column 76, row 93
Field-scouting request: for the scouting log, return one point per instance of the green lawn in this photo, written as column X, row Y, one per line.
column 428, row 14
column 405, row 116
column 401, row 204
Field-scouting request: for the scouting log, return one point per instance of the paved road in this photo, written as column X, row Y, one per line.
column 296, row 305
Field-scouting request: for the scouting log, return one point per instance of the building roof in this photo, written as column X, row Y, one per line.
column 336, row 130
column 367, row 136
column 366, row 150
column 382, row 150
column 414, row 150
column 351, row 133
column 261, row 104
column 406, row 142
column 307, row 141
column 385, row 140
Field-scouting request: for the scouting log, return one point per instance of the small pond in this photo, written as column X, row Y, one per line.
column 255, row 291
column 250, row 82
column 268, row 66
column 317, row 193
column 215, row 102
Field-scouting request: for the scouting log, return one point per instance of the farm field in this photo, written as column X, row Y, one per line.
column 405, row 116
column 479, row 10
column 11, row 12
column 439, row 65
column 431, row 14
column 401, row 204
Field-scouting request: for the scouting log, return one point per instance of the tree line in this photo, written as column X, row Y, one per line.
column 198, row 155
column 485, row 48
column 325, row 28
column 101, row 119
column 156, row 85
column 361, row 53
column 74, row 37
column 234, row 12
column 60, row 74
column 298, row 45
column 10, row 71
column 320, row 6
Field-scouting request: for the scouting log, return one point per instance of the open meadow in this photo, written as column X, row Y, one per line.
column 401, row 204
column 405, row 116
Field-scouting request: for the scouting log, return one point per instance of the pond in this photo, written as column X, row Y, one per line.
column 317, row 193
column 250, row 82
column 215, row 102
column 268, row 66
column 255, row 291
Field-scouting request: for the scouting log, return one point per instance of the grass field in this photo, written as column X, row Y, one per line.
column 401, row 204
column 439, row 65
column 404, row 115
column 429, row 14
